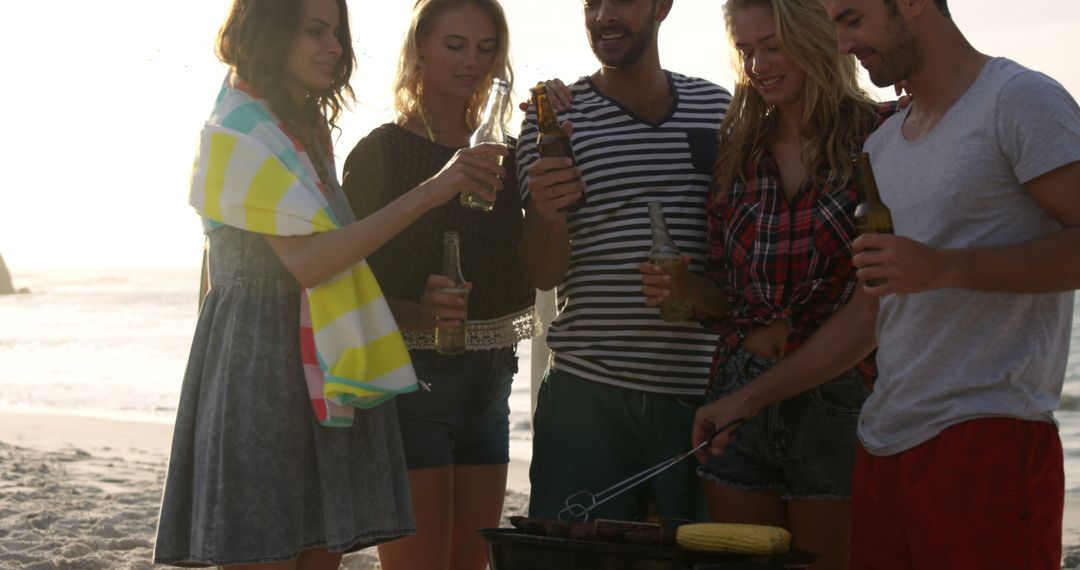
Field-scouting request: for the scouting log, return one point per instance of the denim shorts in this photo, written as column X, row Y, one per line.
column 461, row 415
column 802, row 448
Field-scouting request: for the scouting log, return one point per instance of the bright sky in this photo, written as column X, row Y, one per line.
column 102, row 103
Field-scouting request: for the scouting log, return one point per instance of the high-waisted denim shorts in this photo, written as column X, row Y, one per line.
column 802, row 448
column 462, row 416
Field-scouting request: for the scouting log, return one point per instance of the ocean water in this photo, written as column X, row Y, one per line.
column 114, row 343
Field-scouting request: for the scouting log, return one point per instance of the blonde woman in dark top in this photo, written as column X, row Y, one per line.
column 455, row 429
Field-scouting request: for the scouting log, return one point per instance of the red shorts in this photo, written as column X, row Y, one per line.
column 984, row 494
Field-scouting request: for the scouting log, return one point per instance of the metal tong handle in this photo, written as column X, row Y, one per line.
column 577, row 509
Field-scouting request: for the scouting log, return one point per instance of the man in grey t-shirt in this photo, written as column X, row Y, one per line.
column 961, row 463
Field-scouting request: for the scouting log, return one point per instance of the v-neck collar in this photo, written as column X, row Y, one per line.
column 635, row 116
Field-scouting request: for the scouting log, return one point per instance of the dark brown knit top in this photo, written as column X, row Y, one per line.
column 392, row 160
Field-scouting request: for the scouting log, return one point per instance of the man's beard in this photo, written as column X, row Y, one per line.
column 640, row 44
column 900, row 58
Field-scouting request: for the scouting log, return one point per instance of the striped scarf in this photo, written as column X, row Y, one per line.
column 250, row 174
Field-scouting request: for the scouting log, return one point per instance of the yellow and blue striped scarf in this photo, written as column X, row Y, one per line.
column 250, row 174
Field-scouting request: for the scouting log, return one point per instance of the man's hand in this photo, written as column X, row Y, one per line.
column 554, row 185
column 905, row 265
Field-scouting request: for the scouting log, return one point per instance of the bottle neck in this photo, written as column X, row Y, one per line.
column 662, row 244
column 545, row 114
column 452, row 258
column 495, row 107
column 864, row 179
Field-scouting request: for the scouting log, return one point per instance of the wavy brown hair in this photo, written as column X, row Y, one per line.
column 254, row 42
column 834, row 107
column 408, row 84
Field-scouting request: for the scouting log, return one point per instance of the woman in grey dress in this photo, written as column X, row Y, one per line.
column 254, row 480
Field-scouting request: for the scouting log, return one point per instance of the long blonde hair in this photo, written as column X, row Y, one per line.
column 408, row 85
column 834, row 107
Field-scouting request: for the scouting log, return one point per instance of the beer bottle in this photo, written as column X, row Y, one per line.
column 490, row 131
column 552, row 141
column 452, row 341
column 871, row 215
column 666, row 255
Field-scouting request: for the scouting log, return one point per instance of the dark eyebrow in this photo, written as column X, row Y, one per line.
column 843, row 15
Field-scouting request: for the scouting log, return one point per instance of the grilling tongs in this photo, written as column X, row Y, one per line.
column 580, row 504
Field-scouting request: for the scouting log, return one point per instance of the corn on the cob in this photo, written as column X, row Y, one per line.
column 737, row 538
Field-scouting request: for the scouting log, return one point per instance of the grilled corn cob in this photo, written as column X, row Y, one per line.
column 737, row 538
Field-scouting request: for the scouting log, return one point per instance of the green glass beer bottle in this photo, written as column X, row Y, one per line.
column 452, row 341
column 871, row 214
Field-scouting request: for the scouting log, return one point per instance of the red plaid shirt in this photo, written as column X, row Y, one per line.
column 781, row 259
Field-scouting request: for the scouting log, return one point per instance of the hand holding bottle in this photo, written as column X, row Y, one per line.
column 889, row 264
column 562, row 99
column 475, row 169
column 490, row 130
column 439, row 306
column 657, row 284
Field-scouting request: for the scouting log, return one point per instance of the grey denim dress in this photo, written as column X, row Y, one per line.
column 253, row 477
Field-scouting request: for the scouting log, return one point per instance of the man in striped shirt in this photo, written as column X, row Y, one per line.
column 623, row 384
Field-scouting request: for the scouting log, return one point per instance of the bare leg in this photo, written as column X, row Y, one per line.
column 824, row 528
column 478, row 500
column 319, row 559
column 433, row 508
column 747, row 507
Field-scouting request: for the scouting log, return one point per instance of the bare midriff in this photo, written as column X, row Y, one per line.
column 768, row 341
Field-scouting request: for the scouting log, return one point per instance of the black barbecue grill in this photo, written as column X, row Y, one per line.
column 511, row 549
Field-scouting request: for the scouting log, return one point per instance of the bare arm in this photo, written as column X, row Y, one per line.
column 1045, row 265
column 706, row 296
column 845, row 339
column 554, row 184
column 312, row 259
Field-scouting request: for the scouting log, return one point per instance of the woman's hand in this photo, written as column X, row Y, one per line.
column 655, row 284
column 440, row 308
column 712, row 416
column 475, row 168
column 558, row 94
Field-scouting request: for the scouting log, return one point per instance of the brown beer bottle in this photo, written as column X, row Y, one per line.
column 666, row 255
column 552, row 141
column 871, row 215
column 452, row 341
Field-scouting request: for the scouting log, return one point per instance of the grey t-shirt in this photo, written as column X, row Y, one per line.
column 951, row 355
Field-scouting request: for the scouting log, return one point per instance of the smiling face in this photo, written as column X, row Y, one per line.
column 621, row 32
column 315, row 54
column 883, row 41
column 770, row 72
column 458, row 52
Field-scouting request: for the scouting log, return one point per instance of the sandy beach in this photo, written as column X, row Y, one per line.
column 83, row 493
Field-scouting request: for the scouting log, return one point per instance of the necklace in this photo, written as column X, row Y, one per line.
column 427, row 125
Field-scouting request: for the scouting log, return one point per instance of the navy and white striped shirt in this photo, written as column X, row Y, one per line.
column 603, row 331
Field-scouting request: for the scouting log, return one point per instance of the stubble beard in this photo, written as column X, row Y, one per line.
column 900, row 58
column 632, row 56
